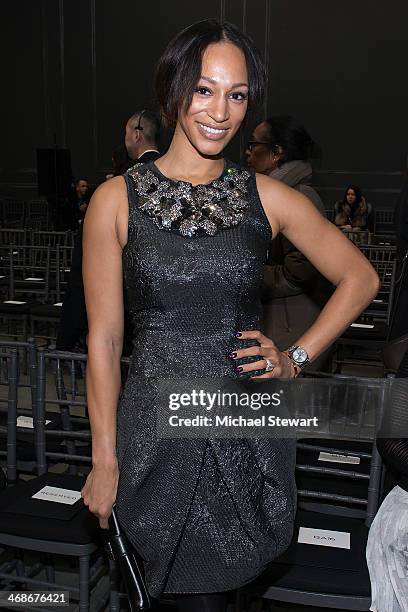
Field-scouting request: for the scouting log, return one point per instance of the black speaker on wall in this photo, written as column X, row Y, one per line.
column 54, row 173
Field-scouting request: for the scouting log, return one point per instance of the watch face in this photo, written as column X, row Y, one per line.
column 299, row 355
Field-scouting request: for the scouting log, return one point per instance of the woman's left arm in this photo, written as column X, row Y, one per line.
column 336, row 257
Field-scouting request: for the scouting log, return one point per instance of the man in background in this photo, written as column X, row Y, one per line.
column 141, row 138
column 142, row 134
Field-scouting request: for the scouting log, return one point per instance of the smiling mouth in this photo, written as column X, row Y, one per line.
column 212, row 130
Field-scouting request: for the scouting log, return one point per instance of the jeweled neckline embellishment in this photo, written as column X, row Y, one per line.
column 192, row 210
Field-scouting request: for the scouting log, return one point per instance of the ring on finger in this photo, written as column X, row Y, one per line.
column 269, row 365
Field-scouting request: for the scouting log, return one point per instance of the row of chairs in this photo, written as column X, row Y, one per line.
column 339, row 490
column 18, row 236
column 33, row 280
column 383, row 221
column 363, row 342
column 45, row 442
column 339, row 484
column 16, row 213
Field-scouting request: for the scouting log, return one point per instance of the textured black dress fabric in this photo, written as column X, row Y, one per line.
column 206, row 515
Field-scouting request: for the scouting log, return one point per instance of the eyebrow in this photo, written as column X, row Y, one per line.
column 214, row 82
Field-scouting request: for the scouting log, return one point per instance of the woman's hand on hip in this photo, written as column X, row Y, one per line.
column 99, row 491
column 269, row 355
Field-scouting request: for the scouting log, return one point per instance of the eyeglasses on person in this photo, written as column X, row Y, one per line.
column 252, row 143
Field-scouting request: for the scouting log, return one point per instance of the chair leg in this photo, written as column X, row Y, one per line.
column 114, row 600
column 49, row 568
column 20, row 565
column 84, row 583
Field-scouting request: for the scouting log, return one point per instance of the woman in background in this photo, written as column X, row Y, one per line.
column 353, row 212
column 294, row 292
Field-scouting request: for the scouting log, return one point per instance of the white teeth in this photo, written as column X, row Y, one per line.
column 212, row 130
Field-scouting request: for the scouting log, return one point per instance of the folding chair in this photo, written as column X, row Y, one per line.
column 377, row 253
column 49, row 313
column 364, row 340
column 325, row 564
column 384, row 222
column 37, row 215
column 13, row 213
column 50, row 238
column 26, row 352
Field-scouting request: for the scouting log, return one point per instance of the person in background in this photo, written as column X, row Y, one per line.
column 78, row 202
column 142, row 133
column 142, row 136
column 353, row 212
column 294, row 292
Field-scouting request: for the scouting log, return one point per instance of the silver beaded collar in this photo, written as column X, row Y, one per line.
column 191, row 210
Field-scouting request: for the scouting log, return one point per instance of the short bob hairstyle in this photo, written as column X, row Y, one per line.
column 288, row 133
column 179, row 68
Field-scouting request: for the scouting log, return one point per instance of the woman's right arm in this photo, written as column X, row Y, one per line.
column 103, row 241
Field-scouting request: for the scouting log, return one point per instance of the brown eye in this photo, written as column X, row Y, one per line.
column 239, row 96
column 202, row 90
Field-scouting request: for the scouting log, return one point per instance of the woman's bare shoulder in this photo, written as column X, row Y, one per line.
column 107, row 212
column 109, row 194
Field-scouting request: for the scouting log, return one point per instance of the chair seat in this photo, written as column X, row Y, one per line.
column 46, row 310
column 322, row 569
column 22, row 516
column 17, row 309
column 378, row 332
column 333, row 485
column 327, row 461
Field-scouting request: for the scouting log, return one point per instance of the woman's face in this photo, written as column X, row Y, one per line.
column 220, row 101
column 351, row 197
column 259, row 154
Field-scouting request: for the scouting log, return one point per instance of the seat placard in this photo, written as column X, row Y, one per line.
column 337, row 458
column 324, row 537
column 58, row 495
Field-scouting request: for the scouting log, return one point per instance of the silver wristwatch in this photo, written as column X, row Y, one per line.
column 298, row 356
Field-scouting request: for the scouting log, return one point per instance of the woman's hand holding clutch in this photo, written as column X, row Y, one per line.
column 99, row 492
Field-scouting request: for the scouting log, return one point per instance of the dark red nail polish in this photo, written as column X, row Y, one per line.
column 233, row 355
column 238, row 334
column 239, row 369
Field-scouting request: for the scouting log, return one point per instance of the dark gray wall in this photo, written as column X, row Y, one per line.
column 76, row 69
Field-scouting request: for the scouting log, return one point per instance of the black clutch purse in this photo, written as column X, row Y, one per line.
column 131, row 566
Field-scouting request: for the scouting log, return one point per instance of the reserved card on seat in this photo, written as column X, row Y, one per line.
column 34, row 278
column 13, row 302
column 58, row 495
column 336, row 458
column 324, row 537
column 58, row 304
column 26, row 421
column 362, row 325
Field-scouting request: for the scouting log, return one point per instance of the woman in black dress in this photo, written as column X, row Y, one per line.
column 188, row 233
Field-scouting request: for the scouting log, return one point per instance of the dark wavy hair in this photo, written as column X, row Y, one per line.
column 295, row 141
column 179, row 68
column 357, row 191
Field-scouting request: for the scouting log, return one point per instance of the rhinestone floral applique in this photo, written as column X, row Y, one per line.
column 192, row 210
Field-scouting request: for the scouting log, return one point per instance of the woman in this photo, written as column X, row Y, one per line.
column 192, row 230
column 294, row 292
column 354, row 213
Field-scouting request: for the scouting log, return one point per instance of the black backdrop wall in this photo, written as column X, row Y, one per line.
column 74, row 70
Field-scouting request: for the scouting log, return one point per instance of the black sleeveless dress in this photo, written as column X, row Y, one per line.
column 205, row 514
